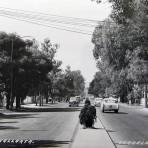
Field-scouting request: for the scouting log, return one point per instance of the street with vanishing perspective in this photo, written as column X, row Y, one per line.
column 74, row 74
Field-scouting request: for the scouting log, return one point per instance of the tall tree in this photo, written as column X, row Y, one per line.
column 14, row 51
column 99, row 84
column 50, row 51
column 121, row 43
column 75, row 82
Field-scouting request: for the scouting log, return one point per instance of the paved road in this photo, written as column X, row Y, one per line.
column 52, row 127
column 128, row 128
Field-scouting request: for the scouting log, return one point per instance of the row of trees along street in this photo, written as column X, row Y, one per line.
column 30, row 69
column 121, row 51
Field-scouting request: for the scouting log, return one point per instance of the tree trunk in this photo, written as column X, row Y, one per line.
column 11, row 103
column 8, row 102
column 46, row 96
column 36, row 103
column 40, row 100
column 42, row 97
column 18, row 106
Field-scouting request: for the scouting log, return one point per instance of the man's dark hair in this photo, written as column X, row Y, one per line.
column 87, row 102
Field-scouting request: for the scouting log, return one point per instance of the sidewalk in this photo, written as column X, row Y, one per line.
column 92, row 138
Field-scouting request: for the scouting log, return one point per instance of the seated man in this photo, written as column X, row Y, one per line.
column 87, row 115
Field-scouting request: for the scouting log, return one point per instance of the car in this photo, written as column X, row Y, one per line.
column 78, row 98
column 97, row 101
column 73, row 101
column 110, row 104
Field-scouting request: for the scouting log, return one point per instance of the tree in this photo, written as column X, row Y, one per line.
column 50, row 51
column 121, row 44
column 74, row 82
column 13, row 51
column 25, row 70
column 28, row 68
column 99, row 84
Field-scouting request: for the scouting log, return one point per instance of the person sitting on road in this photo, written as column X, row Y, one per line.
column 87, row 115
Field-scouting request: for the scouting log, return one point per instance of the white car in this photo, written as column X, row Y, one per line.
column 73, row 102
column 110, row 104
column 97, row 101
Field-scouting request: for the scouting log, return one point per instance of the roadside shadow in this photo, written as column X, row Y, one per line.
column 8, row 128
column 36, row 144
column 8, row 122
column 97, row 128
column 52, row 109
column 49, row 143
column 109, row 112
column 17, row 116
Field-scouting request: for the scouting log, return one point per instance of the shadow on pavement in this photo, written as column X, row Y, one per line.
column 35, row 144
column 16, row 116
column 96, row 128
column 8, row 122
column 8, row 128
column 49, row 143
column 109, row 112
column 70, row 109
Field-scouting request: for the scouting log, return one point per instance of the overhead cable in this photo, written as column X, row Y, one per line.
column 46, row 25
column 47, row 19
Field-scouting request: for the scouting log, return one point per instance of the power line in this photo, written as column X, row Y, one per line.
column 29, row 21
column 55, row 20
column 42, row 19
column 40, row 22
column 53, row 15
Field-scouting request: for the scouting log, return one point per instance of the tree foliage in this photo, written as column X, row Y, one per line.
column 75, row 82
column 121, row 45
column 27, row 70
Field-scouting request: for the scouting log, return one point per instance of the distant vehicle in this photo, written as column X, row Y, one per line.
column 78, row 98
column 73, row 101
column 97, row 101
column 110, row 104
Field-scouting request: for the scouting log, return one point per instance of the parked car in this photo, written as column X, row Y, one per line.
column 97, row 101
column 110, row 104
column 73, row 101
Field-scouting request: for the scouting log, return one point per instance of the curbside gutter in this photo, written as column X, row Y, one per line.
column 107, row 133
column 74, row 134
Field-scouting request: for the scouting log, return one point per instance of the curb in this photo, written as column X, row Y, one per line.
column 74, row 134
column 107, row 133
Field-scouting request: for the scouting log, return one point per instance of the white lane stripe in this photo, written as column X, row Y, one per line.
column 132, row 142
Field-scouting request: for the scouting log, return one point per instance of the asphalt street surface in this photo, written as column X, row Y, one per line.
column 128, row 128
column 52, row 127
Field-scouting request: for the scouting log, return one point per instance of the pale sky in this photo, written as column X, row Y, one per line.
column 75, row 49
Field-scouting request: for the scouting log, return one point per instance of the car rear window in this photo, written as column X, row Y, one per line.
column 110, row 101
column 73, row 99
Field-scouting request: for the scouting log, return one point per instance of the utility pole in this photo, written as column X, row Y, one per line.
column 11, row 73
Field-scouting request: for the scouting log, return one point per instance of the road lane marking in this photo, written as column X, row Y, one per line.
column 139, row 142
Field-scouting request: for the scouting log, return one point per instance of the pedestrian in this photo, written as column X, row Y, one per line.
column 87, row 115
